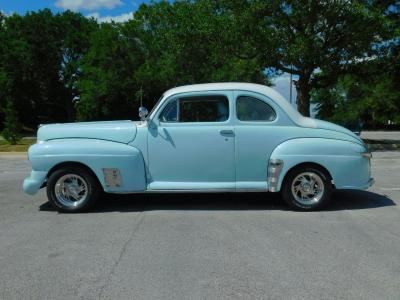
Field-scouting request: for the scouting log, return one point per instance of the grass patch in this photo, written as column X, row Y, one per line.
column 21, row 146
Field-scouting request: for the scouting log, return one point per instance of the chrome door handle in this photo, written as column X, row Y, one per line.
column 226, row 132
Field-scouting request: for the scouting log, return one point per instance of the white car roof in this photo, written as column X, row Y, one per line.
column 252, row 87
column 243, row 86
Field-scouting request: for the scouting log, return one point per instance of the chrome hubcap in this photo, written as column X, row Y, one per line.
column 71, row 190
column 308, row 188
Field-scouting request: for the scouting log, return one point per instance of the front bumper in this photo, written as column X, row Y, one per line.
column 34, row 182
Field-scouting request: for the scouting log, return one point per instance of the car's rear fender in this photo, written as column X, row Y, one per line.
column 119, row 167
column 343, row 160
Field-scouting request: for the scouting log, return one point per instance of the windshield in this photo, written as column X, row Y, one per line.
column 154, row 107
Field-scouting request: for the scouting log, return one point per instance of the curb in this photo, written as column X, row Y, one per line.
column 383, row 147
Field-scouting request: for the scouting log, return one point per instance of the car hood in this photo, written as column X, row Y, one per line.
column 117, row 131
column 333, row 127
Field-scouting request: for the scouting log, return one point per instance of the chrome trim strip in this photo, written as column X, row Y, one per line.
column 367, row 154
column 194, row 191
column 274, row 170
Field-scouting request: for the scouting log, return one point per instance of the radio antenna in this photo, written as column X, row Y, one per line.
column 141, row 96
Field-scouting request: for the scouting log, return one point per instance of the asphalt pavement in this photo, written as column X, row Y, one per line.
column 201, row 246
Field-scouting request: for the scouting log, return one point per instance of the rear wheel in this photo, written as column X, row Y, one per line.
column 307, row 188
column 72, row 189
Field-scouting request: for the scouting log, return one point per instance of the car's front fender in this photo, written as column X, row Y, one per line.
column 104, row 158
column 342, row 159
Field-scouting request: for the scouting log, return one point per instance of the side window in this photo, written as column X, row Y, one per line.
column 252, row 109
column 197, row 109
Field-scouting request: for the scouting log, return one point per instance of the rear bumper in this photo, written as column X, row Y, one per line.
column 34, row 182
column 363, row 186
column 370, row 182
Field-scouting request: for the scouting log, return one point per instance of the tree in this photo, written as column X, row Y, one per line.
column 12, row 127
column 107, row 86
column 32, row 61
column 48, row 59
column 14, row 61
column 76, row 31
column 369, row 95
column 307, row 37
column 186, row 42
column 370, row 92
column 40, row 53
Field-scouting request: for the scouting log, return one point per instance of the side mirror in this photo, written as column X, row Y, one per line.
column 143, row 112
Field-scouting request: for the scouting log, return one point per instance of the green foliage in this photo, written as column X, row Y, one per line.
column 187, row 42
column 307, row 37
column 12, row 127
column 367, row 96
column 40, row 53
column 341, row 52
column 341, row 99
column 76, row 31
column 107, row 85
column 374, row 104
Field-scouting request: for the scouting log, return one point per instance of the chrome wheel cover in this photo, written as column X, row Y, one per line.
column 71, row 190
column 308, row 188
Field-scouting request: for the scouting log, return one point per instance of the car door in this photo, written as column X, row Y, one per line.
column 260, row 127
column 191, row 143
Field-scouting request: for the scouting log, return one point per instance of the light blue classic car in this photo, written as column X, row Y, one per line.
column 215, row 137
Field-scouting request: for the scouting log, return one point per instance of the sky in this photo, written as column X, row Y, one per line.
column 105, row 11
column 282, row 85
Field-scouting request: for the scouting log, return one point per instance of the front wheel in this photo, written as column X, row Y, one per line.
column 72, row 189
column 307, row 188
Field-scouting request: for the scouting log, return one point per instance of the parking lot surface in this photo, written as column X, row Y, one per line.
column 201, row 246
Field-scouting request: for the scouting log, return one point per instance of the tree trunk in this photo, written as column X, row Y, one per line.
column 303, row 88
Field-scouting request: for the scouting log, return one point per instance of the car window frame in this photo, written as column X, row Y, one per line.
column 165, row 107
column 244, row 94
column 177, row 97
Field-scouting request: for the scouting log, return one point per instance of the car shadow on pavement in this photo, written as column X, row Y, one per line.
column 357, row 199
column 341, row 200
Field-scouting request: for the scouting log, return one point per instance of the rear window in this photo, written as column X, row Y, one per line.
column 253, row 109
